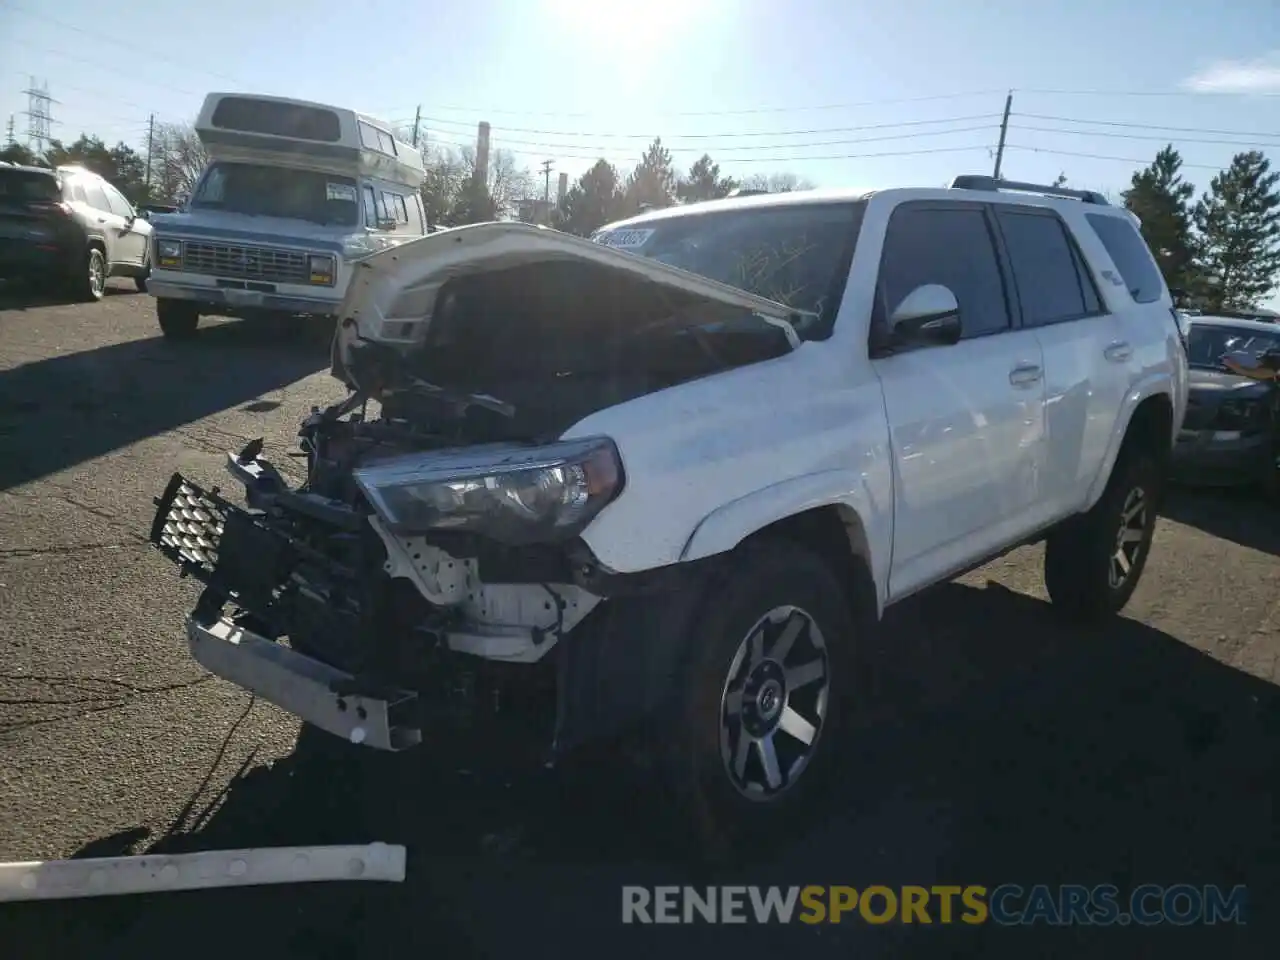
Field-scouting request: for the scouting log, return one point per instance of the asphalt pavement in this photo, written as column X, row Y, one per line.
column 999, row 745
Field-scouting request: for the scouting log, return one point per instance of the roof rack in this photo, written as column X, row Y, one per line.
column 980, row 182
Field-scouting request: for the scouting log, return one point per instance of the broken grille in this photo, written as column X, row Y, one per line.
column 248, row 263
column 189, row 524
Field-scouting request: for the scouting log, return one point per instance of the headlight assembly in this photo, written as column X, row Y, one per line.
column 514, row 495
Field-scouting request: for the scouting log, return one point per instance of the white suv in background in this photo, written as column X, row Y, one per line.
column 677, row 474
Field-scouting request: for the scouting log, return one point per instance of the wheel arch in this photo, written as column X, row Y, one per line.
column 1147, row 426
column 831, row 513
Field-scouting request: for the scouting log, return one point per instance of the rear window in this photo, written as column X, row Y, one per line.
column 279, row 119
column 19, row 186
column 1132, row 258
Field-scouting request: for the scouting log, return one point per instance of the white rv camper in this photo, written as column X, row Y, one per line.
column 293, row 192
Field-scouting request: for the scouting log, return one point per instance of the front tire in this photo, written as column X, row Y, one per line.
column 140, row 281
column 1092, row 564
column 758, row 724
column 178, row 318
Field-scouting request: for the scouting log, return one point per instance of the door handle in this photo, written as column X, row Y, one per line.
column 1025, row 375
column 102, row 219
column 1118, row 352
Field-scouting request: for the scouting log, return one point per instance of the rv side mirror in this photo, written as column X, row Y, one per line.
column 386, row 225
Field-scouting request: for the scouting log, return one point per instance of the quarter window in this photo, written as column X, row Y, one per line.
column 1131, row 256
column 951, row 246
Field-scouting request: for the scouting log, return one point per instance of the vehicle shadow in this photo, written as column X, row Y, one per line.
column 998, row 746
column 15, row 295
column 1242, row 517
column 66, row 409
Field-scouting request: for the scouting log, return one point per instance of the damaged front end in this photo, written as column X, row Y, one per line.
column 430, row 569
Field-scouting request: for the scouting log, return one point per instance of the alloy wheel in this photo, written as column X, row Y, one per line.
column 1129, row 538
column 774, row 702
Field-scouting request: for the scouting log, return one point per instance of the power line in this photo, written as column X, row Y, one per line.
column 1146, row 126
column 847, row 156
column 98, row 35
column 1149, row 137
column 615, row 148
column 1145, row 93
column 733, row 113
column 1099, row 156
column 737, row 133
column 111, row 68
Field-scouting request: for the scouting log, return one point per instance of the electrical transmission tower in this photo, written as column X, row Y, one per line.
column 9, row 140
column 38, row 115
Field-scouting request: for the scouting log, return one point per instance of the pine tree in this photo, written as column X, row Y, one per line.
column 1238, row 242
column 1161, row 200
column 592, row 202
column 653, row 183
column 704, row 182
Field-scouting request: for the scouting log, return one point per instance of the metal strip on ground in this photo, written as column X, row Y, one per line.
column 114, row 876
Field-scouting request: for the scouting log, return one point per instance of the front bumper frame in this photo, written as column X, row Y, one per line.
column 301, row 685
column 188, row 529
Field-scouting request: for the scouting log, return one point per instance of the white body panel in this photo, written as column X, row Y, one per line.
column 937, row 458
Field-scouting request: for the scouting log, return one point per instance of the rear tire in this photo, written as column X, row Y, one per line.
column 1092, row 563
column 90, row 285
column 178, row 318
column 770, row 664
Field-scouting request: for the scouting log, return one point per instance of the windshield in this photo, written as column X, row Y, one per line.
column 798, row 255
column 260, row 190
column 1206, row 345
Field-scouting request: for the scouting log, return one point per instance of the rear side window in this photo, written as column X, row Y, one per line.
column 1132, row 258
column 951, row 246
column 1053, row 285
column 95, row 197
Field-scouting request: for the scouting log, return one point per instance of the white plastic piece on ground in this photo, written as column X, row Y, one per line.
column 113, row 876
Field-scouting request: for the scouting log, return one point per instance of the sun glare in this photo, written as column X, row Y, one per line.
column 618, row 26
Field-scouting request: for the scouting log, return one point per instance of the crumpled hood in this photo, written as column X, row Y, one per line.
column 392, row 293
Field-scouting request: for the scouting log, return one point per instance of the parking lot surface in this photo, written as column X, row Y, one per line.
column 999, row 745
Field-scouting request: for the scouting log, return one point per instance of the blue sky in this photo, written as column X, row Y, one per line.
column 815, row 87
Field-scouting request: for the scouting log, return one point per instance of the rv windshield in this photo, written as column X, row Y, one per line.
column 265, row 191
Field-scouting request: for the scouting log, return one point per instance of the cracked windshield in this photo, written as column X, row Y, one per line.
column 644, row 479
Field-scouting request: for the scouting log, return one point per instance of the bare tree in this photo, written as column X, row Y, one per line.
column 776, row 182
column 178, row 159
column 449, row 170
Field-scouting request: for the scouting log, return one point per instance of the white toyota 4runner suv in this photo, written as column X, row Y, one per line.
column 671, row 476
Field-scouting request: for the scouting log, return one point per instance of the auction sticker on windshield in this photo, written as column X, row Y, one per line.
column 340, row 191
column 624, row 239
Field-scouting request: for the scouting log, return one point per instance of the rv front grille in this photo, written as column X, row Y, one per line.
column 249, row 263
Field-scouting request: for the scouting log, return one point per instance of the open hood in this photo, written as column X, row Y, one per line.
column 392, row 294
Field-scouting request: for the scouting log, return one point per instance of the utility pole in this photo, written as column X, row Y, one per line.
column 38, row 115
column 151, row 138
column 546, row 171
column 1004, row 129
column 417, row 121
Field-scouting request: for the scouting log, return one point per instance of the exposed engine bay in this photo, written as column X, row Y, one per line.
column 431, row 553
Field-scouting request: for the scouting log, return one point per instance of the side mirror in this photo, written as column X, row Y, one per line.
column 929, row 314
column 387, row 225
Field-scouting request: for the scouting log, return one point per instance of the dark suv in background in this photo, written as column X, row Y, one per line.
column 68, row 230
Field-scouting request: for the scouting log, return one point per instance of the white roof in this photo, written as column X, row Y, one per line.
column 853, row 195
